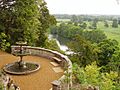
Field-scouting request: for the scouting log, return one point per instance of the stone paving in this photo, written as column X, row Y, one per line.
column 40, row 80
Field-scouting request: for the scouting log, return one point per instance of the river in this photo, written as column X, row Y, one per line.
column 61, row 46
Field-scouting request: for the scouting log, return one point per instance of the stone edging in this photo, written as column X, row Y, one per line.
column 21, row 73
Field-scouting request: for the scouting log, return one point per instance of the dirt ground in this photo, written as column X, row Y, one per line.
column 40, row 80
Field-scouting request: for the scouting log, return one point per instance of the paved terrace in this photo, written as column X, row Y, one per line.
column 40, row 80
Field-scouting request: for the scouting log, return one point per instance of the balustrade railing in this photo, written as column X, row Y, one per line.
column 65, row 62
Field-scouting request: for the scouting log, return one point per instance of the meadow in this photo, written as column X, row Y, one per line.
column 111, row 33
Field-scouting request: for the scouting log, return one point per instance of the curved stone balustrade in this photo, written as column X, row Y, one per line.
column 65, row 62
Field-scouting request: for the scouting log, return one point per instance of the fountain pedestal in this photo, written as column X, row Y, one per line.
column 21, row 67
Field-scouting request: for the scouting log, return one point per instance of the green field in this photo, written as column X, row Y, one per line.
column 63, row 20
column 111, row 33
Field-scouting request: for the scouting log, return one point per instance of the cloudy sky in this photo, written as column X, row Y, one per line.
column 83, row 7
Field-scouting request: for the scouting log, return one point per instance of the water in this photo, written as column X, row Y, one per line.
column 61, row 46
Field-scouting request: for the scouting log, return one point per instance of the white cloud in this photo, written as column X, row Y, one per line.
column 83, row 6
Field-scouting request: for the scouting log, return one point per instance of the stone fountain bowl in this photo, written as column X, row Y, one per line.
column 27, row 68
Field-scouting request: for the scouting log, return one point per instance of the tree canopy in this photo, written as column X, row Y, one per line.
column 25, row 20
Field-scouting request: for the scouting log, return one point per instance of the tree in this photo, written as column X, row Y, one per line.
column 52, row 44
column 68, row 31
column 46, row 20
column 83, row 25
column 95, row 36
column 74, row 18
column 119, row 21
column 84, row 51
column 107, row 50
column 19, row 20
column 3, row 43
column 115, row 23
column 106, row 24
column 94, row 25
column 25, row 20
column 114, row 64
column 54, row 29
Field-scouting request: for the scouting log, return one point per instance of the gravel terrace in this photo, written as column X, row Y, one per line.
column 40, row 80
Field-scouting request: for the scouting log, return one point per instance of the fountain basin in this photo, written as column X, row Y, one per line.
column 26, row 68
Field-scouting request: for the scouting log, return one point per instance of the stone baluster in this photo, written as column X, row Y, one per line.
column 56, row 85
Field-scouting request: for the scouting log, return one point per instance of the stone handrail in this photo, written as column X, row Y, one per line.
column 65, row 62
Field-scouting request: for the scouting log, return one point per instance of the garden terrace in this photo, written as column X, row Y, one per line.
column 47, row 73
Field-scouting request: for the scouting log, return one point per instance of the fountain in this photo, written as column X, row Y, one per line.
column 21, row 67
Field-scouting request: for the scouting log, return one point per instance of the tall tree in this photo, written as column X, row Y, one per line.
column 46, row 20
column 24, row 20
column 84, row 51
column 19, row 19
column 94, row 24
column 115, row 23
column 106, row 24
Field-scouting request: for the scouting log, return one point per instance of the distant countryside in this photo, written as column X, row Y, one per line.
column 111, row 32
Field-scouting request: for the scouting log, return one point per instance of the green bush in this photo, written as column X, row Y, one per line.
column 1, row 86
column 91, row 75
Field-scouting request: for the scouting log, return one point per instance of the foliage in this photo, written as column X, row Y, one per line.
column 92, row 45
column 95, row 36
column 114, row 64
column 91, row 75
column 51, row 44
column 20, row 18
column 94, row 25
column 89, row 18
column 83, row 25
column 54, row 29
column 3, row 43
column 119, row 21
column 67, row 31
column 1, row 86
column 84, row 51
column 115, row 23
column 106, row 24
column 107, row 49
column 74, row 18
column 25, row 20
column 46, row 20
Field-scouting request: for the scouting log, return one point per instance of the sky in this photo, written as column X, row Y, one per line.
column 103, row 7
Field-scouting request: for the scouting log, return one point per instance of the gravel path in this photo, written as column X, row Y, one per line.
column 40, row 80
